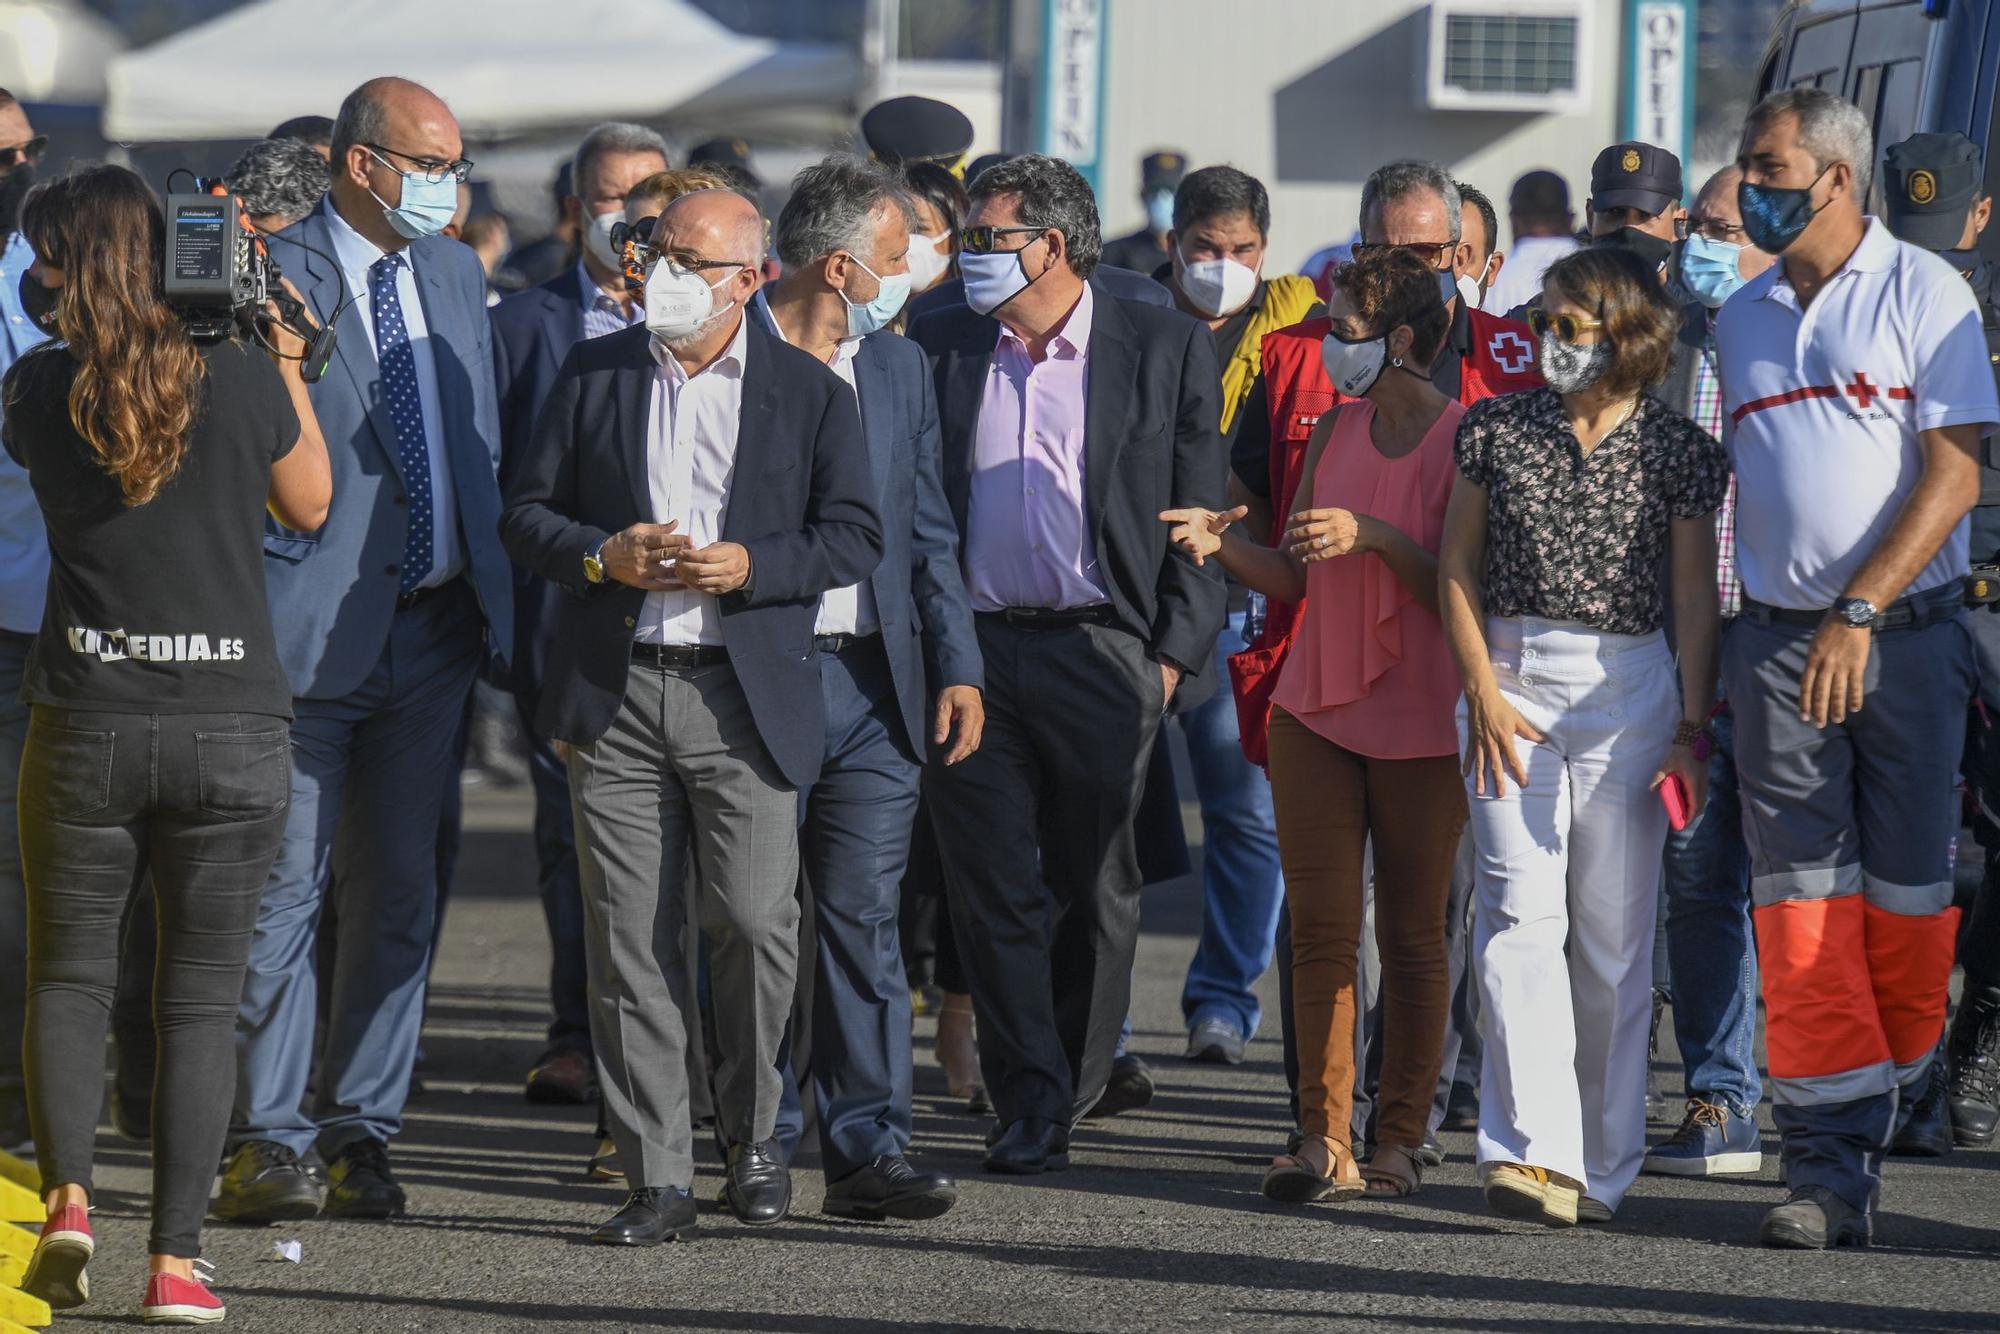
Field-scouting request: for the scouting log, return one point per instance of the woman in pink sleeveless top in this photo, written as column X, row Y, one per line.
column 1364, row 749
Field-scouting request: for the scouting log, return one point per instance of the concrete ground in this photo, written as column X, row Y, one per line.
column 1158, row 1225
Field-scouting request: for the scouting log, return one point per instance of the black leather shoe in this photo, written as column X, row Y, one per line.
column 1814, row 1219
column 1432, row 1152
column 1974, row 1047
column 264, row 1182
column 890, row 1188
column 652, row 1214
column 758, row 1187
column 1130, row 1088
column 1927, row 1131
column 1030, row 1145
column 360, row 1184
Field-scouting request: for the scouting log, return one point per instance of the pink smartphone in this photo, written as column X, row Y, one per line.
column 1680, row 806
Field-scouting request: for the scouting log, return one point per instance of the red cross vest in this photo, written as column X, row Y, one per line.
column 1501, row 361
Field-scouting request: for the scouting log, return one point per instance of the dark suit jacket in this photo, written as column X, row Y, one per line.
column 919, row 593
column 1126, row 283
column 533, row 332
column 801, row 501
column 1677, row 392
column 1150, row 443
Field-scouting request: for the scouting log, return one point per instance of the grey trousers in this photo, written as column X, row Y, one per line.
column 682, row 771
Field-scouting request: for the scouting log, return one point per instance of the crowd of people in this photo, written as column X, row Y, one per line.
column 1557, row 636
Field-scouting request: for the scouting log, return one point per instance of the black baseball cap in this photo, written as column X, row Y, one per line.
column 1539, row 194
column 1928, row 183
column 903, row 130
column 1635, row 175
column 1161, row 171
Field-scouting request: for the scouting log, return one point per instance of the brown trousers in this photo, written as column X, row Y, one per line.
column 1330, row 805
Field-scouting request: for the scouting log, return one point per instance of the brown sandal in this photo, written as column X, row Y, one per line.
column 1393, row 1173
column 1292, row 1179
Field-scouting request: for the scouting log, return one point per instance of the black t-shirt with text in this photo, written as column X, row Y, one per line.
column 160, row 607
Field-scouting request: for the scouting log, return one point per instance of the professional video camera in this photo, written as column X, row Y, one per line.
column 222, row 279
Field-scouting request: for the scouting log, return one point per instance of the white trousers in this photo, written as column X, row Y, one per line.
column 1567, row 881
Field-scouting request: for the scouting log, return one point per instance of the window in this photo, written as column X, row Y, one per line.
column 1508, row 55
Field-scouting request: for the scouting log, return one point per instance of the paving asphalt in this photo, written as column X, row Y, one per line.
column 1157, row 1225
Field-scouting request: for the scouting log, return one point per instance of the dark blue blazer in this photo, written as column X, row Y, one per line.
column 533, row 332
column 801, row 501
column 333, row 592
column 919, row 592
column 1151, row 443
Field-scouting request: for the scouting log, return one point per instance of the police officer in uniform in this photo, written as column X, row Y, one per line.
column 1146, row 249
column 1933, row 190
column 906, row 130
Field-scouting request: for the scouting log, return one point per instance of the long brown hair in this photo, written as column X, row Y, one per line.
column 138, row 380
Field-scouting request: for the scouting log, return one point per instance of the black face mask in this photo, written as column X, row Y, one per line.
column 1965, row 261
column 1655, row 251
column 38, row 303
column 13, row 189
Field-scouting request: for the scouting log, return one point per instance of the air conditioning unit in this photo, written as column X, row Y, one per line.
column 1507, row 55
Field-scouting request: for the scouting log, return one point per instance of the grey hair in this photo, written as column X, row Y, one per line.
column 363, row 118
column 1399, row 180
column 830, row 208
column 613, row 136
column 1049, row 192
column 286, row 177
column 1831, row 128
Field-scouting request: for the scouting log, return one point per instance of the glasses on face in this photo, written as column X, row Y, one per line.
column 693, row 263
column 985, row 240
column 1567, row 327
column 1432, row 253
column 31, row 151
column 430, row 168
column 1719, row 229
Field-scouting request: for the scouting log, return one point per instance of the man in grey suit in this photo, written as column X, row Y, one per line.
column 899, row 673
column 383, row 618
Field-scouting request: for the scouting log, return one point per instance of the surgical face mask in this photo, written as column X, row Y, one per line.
column 1469, row 291
column 680, row 303
column 1217, row 287
column 1710, row 269
column 1570, row 368
column 428, row 206
column 865, row 317
column 928, row 261
column 992, row 279
column 1354, row 367
column 38, row 303
column 1775, row 217
column 1160, row 212
column 597, row 239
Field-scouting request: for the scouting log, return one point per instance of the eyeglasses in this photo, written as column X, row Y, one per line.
column 1567, row 327
column 1715, row 229
column 429, row 168
column 983, row 240
column 681, row 259
column 31, row 151
column 1431, row 252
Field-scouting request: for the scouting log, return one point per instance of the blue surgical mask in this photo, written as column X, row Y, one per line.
column 991, row 279
column 1709, row 268
column 428, row 206
column 1775, row 217
column 865, row 317
column 1160, row 212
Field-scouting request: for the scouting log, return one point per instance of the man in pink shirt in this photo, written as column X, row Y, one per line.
column 1071, row 418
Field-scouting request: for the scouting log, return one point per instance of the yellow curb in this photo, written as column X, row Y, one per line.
column 22, row 1309
column 17, row 1242
column 11, row 1269
column 9, row 1327
column 21, row 1173
column 18, row 1204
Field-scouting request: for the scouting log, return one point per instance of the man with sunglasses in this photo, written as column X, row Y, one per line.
column 24, row 577
column 384, row 617
column 1070, row 419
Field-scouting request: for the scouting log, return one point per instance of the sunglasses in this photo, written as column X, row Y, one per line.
column 1567, row 327
column 985, row 240
column 31, row 151
column 1431, row 252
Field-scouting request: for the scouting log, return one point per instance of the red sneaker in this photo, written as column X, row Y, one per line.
column 171, row 1300
column 55, row 1271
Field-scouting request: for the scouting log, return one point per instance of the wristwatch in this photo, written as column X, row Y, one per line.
column 593, row 563
column 1857, row 612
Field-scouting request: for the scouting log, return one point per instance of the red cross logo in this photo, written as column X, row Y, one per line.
column 1861, row 391
column 1511, row 352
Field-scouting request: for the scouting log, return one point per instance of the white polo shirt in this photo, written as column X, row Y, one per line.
column 1821, row 410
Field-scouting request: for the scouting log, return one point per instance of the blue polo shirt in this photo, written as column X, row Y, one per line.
column 24, row 551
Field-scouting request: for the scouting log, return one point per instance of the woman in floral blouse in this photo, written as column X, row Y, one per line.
column 1582, row 513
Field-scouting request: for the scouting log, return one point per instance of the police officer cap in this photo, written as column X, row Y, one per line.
column 730, row 156
column 1161, row 171
column 916, row 129
column 982, row 162
column 1635, row 175
column 1928, row 183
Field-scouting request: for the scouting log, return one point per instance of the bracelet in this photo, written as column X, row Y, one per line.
column 1687, row 733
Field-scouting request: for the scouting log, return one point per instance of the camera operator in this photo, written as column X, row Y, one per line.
column 279, row 182
column 158, row 736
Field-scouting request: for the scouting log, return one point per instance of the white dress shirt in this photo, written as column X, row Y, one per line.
column 849, row 610
column 690, row 463
column 356, row 253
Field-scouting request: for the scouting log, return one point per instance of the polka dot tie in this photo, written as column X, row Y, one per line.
column 406, row 408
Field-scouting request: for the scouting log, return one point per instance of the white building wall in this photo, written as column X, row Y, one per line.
column 1309, row 96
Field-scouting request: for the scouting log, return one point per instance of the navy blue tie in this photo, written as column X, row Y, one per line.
column 406, row 408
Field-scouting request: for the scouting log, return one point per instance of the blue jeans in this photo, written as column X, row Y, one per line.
column 1711, row 949
column 1241, row 888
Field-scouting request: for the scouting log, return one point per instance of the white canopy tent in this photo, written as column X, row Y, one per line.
column 506, row 67
column 54, row 51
